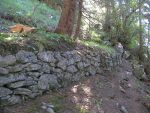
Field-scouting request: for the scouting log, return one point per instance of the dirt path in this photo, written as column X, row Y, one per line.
column 115, row 92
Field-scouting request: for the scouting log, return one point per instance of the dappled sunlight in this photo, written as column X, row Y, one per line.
column 74, row 88
column 87, row 90
column 81, row 96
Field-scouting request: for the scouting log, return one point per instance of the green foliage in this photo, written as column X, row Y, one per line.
column 133, row 43
column 97, row 45
column 34, row 12
column 3, row 36
column 82, row 110
column 37, row 41
column 47, row 35
column 32, row 108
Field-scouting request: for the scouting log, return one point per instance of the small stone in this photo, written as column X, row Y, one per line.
column 122, row 90
column 44, row 104
column 22, row 91
column 33, row 67
column 71, row 61
column 101, row 111
column 34, row 88
column 126, row 54
column 14, row 100
column 30, row 81
column 16, row 84
column 4, row 71
column 80, row 65
column 72, row 69
column 50, row 106
column 45, row 68
column 10, row 100
column 44, row 107
column 123, row 109
column 62, row 64
column 4, row 92
column 47, row 81
column 33, row 95
column 50, row 110
column 92, row 70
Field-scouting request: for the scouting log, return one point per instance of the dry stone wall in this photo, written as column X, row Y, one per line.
column 27, row 75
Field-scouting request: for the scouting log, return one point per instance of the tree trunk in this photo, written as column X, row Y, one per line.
column 77, row 20
column 65, row 25
column 141, row 49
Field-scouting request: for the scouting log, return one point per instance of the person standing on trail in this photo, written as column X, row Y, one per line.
column 119, row 50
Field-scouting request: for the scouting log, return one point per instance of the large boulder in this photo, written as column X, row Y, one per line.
column 47, row 57
column 5, row 92
column 23, row 91
column 48, row 81
column 27, row 82
column 7, row 60
column 26, row 57
column 16, row 84
column 147, row 69
column 45, row 68
column 11, row 78
column 138, row 71
column 17, row 68
column 10, row 100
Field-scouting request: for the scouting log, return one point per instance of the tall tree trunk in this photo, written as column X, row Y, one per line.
column 79, row 19
column 148, row 52
column 107, row 24
column 65, row 25
column 141, row 49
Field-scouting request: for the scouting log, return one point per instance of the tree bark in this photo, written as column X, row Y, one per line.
column 79, row 19
column 141, row 41
column 65, row 25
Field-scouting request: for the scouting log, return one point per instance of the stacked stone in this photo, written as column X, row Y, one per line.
column 27, row 75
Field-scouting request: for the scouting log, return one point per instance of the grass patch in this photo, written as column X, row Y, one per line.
column 33, row 109
column 47, row 35
column 35, row 42
column 56, row 101
column 97, row 45
column 133, row 43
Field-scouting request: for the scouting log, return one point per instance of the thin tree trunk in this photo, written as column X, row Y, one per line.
column 79, row 19
column 148, row 51
column 141, row 49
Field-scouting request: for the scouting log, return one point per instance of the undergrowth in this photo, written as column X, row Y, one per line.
column 31, row 12
column 91, row 43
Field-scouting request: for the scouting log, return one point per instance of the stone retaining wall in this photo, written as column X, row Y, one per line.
column 27, row 75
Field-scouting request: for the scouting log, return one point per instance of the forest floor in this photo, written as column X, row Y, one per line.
column 111, row 92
